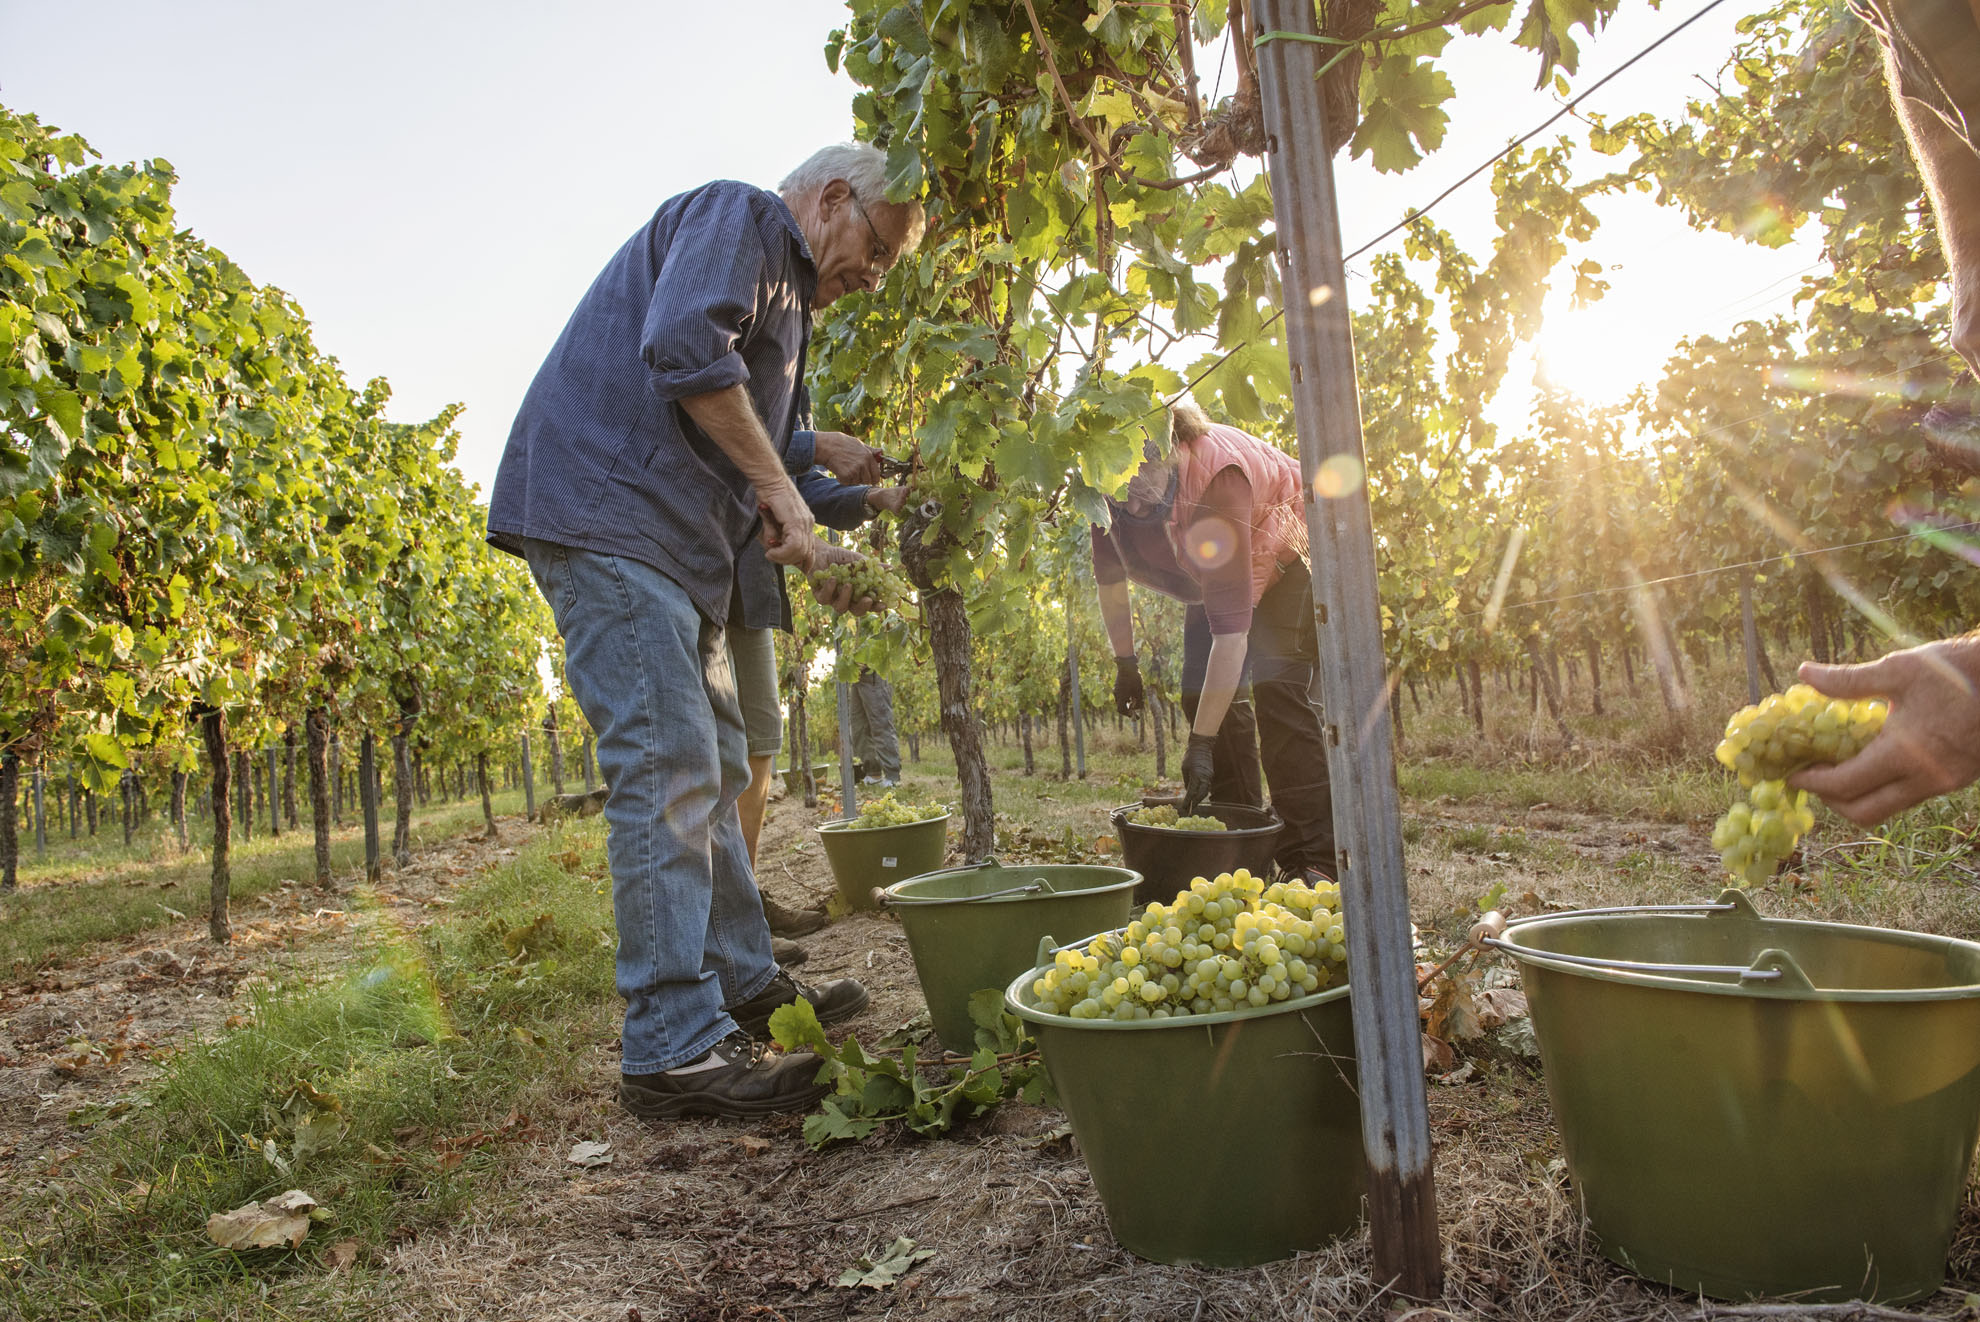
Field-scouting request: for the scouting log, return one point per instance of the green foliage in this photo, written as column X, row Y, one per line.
column 869, row 1090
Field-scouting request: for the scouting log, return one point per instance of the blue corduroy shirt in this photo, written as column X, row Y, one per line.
column 714, row 291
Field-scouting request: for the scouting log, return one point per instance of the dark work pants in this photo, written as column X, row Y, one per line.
column 1284, row 653
column 1234, row 759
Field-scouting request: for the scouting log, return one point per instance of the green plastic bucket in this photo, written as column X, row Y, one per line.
column 977, row 927
column 867, row 861
column 1754, row 1106
column 1224, row 1140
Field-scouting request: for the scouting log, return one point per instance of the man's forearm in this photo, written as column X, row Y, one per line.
column 1118, row 615
column 728, row 417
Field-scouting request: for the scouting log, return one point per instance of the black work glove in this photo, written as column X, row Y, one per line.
column 1128, row 694
column 1196, row 771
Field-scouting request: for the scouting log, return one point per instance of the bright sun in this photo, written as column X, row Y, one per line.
column 1597, row 353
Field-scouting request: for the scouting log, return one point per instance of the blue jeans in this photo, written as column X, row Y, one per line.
column 653, row 679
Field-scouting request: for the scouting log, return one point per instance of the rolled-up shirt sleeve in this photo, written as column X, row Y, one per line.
column 834, row 503
column 802, row 454
column 705, row 299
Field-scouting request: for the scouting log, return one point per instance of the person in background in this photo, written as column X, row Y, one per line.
column 658, row 438
column 764, row 606
column 1930, row 744
column 1233, row 512
column 875, row 744
column 1136, row 548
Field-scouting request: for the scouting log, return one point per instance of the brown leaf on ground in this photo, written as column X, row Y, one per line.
column 272, row 1223
column 753, row 1145
column 341, row 1255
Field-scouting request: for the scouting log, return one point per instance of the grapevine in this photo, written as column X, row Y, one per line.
column 1165, row 817
column 1223, row 945
column 1765, row 744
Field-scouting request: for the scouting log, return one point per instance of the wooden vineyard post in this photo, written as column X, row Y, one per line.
column 1751, row 636
column 368, row 800
column 1395, row 1122
column 848, row 789
column 1072, row 679
column 529, row 781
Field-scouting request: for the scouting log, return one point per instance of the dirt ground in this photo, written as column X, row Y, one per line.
column 708, row 1221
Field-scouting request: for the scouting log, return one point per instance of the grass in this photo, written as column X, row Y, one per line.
column 99, row 890
column 413, row 1063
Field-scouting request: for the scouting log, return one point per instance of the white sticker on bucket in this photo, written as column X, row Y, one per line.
column 890, row 862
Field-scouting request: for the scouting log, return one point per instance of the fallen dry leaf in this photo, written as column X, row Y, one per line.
column 272, row 1223
column 341, row 1255
column 753, row 1145
column 590, row 1155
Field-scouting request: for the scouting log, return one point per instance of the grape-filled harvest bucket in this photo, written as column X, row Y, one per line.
column 1224, row 1140
column 1169, row 859
column 976, row 927
column 867, row 860
column 1755, row 1106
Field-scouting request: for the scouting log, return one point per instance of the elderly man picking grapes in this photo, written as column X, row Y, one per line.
column 657, row 438
column 1931, row 743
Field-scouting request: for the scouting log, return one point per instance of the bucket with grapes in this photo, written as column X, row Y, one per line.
column 889, row 840
column 1205, row 1056
column 1169, row 849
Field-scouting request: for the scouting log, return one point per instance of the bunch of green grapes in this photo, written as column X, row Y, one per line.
column 1764, row 745
column 1753, row 837
column 1229, row 944
column 866, row 577
column 1166, row 817
column 1796, row 729
column 886, row 810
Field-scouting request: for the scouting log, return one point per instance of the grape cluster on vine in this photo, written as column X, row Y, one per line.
column 1165, row 817
column 1228, row 944
column 1765, row 744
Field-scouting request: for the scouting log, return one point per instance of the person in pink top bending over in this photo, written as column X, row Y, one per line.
column 1237, row 531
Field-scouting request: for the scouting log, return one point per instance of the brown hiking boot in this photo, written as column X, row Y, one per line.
column 737, row 1078
column 788, row 954
column 792, row 922
column 842, row 998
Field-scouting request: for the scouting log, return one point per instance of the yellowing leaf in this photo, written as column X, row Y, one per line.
column 281, row 1221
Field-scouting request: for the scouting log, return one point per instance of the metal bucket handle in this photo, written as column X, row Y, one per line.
column 1770, row 965
column 987, row 861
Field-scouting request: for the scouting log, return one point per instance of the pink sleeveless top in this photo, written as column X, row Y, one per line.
column 1278, row 524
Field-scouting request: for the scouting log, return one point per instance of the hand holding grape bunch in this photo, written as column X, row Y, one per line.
column 1764, row 745
column 856, row 583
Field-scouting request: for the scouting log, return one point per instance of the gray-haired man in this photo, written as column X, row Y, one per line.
column 655, row 441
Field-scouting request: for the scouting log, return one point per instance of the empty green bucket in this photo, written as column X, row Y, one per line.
column 1754, row 1106
column 869, row 859
column 977, row 927
column 1224, row 1140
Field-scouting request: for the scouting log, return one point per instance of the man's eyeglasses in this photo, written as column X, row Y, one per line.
column 878, row 258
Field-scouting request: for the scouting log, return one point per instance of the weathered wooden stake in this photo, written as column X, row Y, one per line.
column 848, row 789
column 1395, row 1123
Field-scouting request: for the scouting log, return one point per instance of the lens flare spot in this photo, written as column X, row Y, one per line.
column 1210, row 543
column 1319, row 294
column 1339, row 475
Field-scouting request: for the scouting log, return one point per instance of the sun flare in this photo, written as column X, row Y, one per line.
column 1596, row 353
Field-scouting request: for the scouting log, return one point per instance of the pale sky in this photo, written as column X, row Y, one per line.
column 437, row 182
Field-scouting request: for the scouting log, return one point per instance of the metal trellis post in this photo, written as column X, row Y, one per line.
column 1395, row 1122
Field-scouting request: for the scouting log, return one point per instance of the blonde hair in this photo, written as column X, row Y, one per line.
column 1187, row 422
